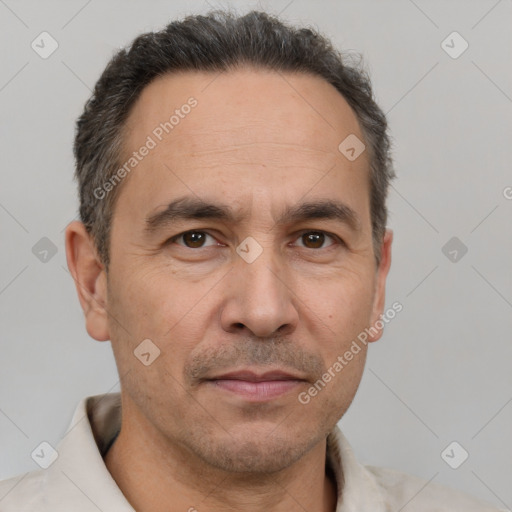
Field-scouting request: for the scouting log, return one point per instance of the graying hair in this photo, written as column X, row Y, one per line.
column 216, row 42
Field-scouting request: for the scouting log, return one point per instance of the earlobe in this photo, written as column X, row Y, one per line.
column 380, row 285
column 90, row 279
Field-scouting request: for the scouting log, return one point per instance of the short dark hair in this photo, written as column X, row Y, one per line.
column 216, row 42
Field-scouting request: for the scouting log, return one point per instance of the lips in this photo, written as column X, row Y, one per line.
column 251, row 376
column 256, row 387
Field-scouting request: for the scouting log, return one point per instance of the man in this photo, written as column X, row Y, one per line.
column 233, row 173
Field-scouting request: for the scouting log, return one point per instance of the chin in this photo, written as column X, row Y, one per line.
column 252, row 454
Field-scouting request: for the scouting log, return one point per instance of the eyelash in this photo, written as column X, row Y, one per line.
column 337, row 239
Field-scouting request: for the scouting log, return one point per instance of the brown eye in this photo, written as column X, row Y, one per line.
column 193, row 239
column 318, row 240
column 313, row 240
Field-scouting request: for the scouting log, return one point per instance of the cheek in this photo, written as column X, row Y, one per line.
column 145, row 309
column 343, row 306
column 173, row 314
column 155, row 302
column 344, row 310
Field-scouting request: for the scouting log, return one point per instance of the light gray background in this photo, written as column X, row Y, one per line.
column 442, row 370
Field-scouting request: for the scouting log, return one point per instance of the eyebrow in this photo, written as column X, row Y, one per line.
column 190, row 208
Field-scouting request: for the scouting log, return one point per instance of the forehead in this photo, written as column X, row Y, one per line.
column 274, row 134
column 315, row 113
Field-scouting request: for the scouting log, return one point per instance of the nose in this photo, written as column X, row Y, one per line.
column 260, row 299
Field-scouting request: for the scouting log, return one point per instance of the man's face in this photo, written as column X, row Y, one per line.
column 258, row 145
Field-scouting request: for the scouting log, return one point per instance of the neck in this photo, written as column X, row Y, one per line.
column 154, row 475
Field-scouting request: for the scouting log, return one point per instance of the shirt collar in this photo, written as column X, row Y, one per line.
column 80, row 468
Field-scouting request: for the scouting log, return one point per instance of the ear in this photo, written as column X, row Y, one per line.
column 90, row 279
column 380, row 285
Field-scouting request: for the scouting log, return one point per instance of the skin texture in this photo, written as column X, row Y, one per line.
column 257, row 141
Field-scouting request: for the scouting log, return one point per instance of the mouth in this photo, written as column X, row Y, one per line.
column 256, row 387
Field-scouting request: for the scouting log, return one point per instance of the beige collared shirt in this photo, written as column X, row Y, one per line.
column 75, row 478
